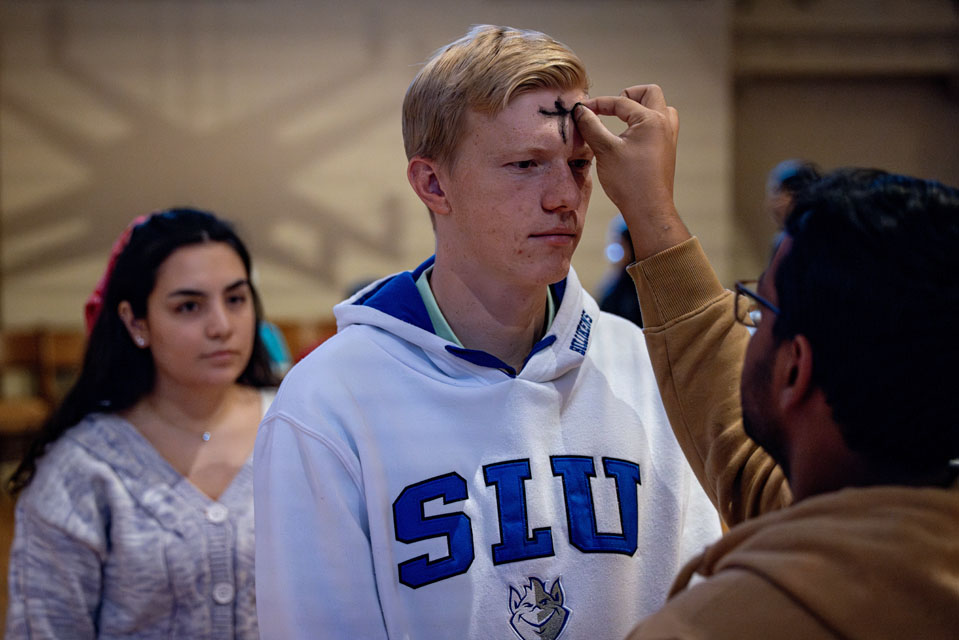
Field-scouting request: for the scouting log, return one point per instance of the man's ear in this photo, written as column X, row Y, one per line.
column 794, row 372
column 136, row 327
column 424, row 176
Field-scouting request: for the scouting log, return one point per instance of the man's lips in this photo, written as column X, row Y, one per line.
column 556, row 236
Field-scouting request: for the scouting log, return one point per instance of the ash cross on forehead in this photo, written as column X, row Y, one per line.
column 561, row 113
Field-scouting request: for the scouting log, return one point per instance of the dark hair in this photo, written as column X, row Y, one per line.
column 783, row 182
column 872, row 281
column 115, row 372
column 793, row 175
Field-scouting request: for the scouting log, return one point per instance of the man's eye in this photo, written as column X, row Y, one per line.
column 524, row 164
column 581, row 165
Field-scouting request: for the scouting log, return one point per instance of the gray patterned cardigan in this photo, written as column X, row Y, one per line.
column 112, row 542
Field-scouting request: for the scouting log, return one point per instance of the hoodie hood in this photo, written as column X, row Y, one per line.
column 871, row 563
column 393, row 304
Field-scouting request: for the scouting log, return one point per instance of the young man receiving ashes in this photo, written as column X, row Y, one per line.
column 479, row 452
column 831, row 434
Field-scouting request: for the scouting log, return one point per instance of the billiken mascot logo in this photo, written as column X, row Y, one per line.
column 538, row 614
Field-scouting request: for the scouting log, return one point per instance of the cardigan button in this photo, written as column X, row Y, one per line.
column 216, row 513
column 223, row 593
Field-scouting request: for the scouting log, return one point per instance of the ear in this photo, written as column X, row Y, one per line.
column 514, row 600
column 425, row 178
column 794, row 372
column 136, row 327
column 556, row 592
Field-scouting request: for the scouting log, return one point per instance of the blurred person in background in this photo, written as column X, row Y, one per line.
column 783, row 182
column 617, row 291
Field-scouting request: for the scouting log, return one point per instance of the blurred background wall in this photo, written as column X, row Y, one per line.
column 283, row 116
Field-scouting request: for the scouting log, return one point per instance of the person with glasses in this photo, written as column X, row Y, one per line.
column 825, row 430
column 749, row 306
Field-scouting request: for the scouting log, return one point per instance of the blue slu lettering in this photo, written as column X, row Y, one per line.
column 581, row 338
column 580, row 512
column 411, row 525
column 508, row 478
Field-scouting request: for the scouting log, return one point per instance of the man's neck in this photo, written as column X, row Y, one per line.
column 821, row 462
column 505, row 321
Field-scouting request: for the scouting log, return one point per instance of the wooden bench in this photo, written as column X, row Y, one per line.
column 37, row 367
column 302, row 336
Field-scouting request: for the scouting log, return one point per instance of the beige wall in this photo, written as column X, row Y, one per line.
column 285, row 117
column 839, row 82
column 905, row 125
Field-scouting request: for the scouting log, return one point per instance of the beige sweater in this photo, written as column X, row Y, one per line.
column 860, row 563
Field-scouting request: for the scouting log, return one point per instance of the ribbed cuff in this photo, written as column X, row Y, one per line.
column 674, row 282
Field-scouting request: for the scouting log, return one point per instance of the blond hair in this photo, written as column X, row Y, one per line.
column 482, row 71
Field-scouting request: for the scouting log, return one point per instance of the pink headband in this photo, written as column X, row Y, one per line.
column 94, row 305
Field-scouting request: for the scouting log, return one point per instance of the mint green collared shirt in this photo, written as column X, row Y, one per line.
column 442, row 327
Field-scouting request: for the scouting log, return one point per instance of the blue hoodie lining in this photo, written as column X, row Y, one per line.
column 399, row 298
column 484, row 359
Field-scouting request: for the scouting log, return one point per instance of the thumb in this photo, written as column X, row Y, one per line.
column 594, row 132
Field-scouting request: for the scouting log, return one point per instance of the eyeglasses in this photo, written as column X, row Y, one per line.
column 749, row 304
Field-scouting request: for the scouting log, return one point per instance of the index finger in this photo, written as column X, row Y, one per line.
column 624, row 108
column 649, row 95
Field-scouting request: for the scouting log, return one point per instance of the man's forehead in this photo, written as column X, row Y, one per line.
column 536, row 112
column 563, row 115
column 549, row 101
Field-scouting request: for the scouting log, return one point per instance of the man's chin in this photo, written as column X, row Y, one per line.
column 549, row 273
column 762, row 432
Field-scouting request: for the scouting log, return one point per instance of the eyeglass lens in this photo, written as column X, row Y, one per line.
column 748, row 311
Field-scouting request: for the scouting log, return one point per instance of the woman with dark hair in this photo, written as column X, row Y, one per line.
column 135, row 515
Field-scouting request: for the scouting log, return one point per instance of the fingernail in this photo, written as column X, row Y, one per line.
column 573, row 110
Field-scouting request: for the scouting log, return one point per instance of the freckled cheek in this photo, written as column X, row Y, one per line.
column 519, row 241
column 586, row 189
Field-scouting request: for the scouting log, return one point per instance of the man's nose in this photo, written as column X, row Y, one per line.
column 563, row 190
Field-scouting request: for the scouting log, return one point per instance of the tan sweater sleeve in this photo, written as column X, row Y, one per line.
column 697, row 349
column 717, row 610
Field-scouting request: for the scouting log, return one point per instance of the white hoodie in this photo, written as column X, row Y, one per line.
column 409, row 488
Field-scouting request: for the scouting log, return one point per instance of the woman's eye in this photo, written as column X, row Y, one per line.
column 237, row 299
column 187, row 307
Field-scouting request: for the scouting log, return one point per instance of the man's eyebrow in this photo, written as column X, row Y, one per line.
column 528, row 150
column 583, row 149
